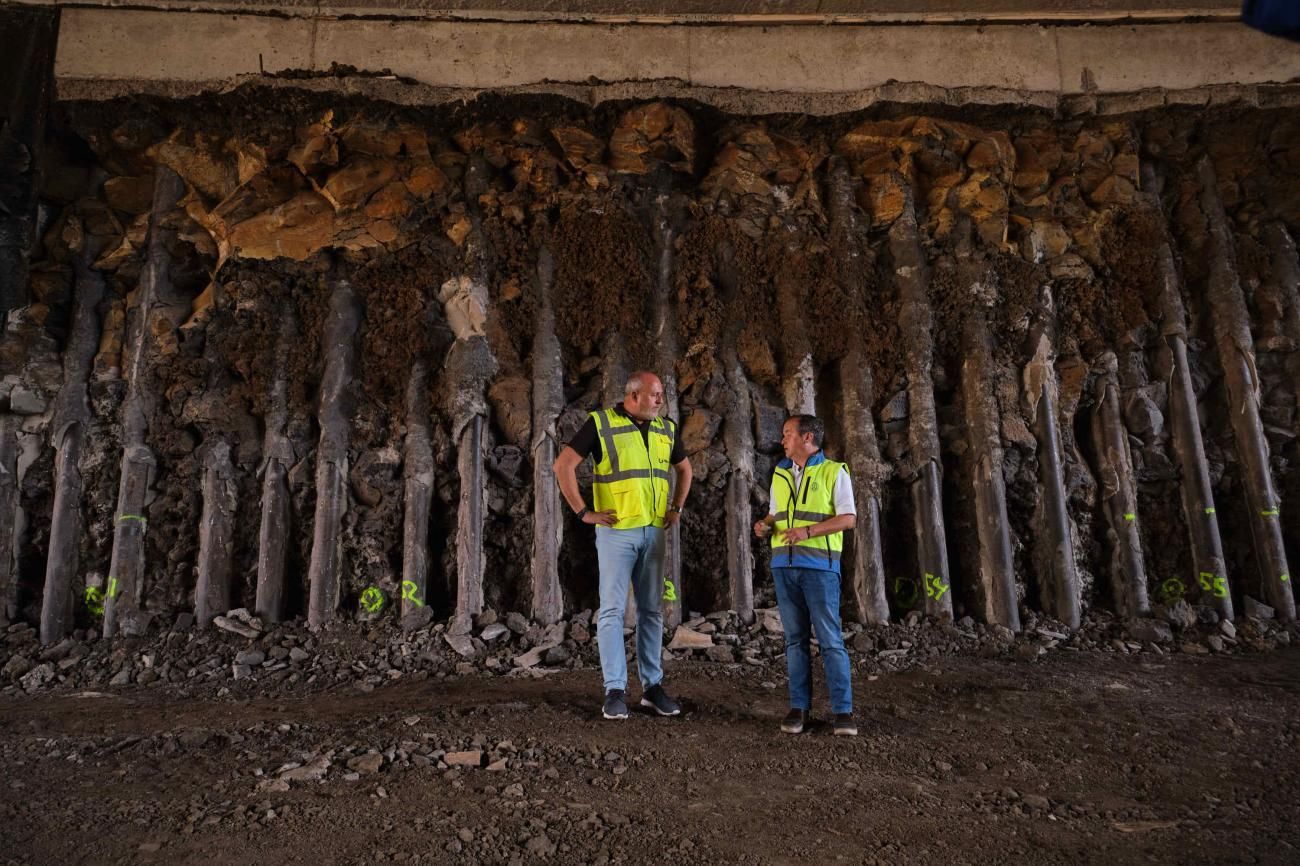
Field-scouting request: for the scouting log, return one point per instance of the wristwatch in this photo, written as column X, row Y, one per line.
column 583, row 512
column 675, row 508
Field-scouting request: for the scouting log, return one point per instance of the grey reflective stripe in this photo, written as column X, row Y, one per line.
column 632, row 473
column 816, row 552
column 607, row 439
column 814, row 516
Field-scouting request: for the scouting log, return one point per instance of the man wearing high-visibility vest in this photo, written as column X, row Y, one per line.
column 633, row 451
column 811, row 506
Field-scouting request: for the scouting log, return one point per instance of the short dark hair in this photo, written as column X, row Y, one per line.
column 810, row 424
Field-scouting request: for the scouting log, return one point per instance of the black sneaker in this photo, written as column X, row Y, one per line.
column 844, row 725
column 615, row 706
column 794, row 721
column 655, row 698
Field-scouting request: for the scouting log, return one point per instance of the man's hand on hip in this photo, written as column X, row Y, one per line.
column 600, row 518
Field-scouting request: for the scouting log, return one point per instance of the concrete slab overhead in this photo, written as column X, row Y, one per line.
column 207, row 49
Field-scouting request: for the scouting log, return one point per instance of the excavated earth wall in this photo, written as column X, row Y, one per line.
column 771, row 251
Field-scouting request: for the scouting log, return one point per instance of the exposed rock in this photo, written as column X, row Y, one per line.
column 688, row 638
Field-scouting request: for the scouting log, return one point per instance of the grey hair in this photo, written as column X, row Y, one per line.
column 810, row 424
column 636, row 381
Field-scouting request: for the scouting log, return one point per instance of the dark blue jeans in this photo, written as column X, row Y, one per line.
column 809, row 599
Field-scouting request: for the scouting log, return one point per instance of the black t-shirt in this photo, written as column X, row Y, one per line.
column 587, row 442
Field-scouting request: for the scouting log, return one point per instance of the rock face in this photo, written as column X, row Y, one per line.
column 654, row 219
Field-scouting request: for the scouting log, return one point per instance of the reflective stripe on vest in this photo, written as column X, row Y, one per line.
column 812, row 503
column 630, row 480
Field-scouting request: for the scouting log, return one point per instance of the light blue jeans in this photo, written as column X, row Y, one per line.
column 809, row 600
column 633, row 556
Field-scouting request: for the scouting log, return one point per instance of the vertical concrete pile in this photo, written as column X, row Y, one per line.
column 1231, row 324
column 984, row 448
column 159, row 312
column 862, row 448
column 273, row 535
column 916, row 323
column 1053, row 553
column 1196, row 492
column 548, row 403
column 338, row 344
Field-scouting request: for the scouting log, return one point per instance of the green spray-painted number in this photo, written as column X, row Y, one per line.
column 1215, row 584
column 372, row 599
column 114, row 590
column 935, row 586
column 409, row 593
column 95, row 600
column 1173, row 588
column 670, row 591
column 905, row 591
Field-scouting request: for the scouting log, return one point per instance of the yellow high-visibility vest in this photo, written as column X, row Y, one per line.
column 632, row 480
column 812, row 502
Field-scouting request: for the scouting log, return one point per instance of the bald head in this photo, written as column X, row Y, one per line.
column 643, row 395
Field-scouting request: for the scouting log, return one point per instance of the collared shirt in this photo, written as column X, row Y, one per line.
column 587, row 442
column 842, row 494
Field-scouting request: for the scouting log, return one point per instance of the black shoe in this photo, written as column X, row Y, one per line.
column 794, row 721
column 844, row 725
column 615, row 706
column 655, row 698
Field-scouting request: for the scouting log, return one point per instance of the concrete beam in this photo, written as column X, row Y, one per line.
column 1025, row 63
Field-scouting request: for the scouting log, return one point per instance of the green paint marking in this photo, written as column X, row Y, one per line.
column 905, row 591
column 1173, row 588
column 372, row 599
column 1130, row 516
column 670, row 591
column 95, row 600
column 113, row 588
column 935, row 587
column 1284, row 578
column 1210, row 510
column 144, row 521
column 408, row 593
column 1269, row 512
column 1213, row 583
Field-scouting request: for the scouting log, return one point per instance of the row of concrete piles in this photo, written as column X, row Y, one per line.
column 471, row 366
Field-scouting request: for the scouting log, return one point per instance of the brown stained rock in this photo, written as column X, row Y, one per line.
column 383, row 140
column 512, row 407
column 993, row 154
column 250, row 158
column 132, row 195
column 885, row 198
column 651, row 134
column 317, row 147
column 756, row 354
column 1113, row 190
column 259, row 195
column 689, row 639
column 200, row 164
column 582, row 149
column 390, row 203
column 699, row 430
column 424, row 179
column 1044, row 240
column 294, row 230
column 131, row 243
column 458, row 228
column 108, row 359
column 351, row 186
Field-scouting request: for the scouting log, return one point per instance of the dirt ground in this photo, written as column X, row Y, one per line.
column 1080, row 757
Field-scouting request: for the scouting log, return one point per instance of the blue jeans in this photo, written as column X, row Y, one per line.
column 633, row 556
column 809, row 599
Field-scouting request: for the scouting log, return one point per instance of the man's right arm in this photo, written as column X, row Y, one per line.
column 566, row 475
column 764, row 526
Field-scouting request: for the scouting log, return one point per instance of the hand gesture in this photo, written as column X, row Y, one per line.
column 796, row 534
column 600, row 518
column 761, row 528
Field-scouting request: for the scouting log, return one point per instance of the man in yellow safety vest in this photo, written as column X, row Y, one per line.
column 633, row 450
column 811, row 506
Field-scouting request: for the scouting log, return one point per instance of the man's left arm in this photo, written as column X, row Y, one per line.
column 681, row 489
